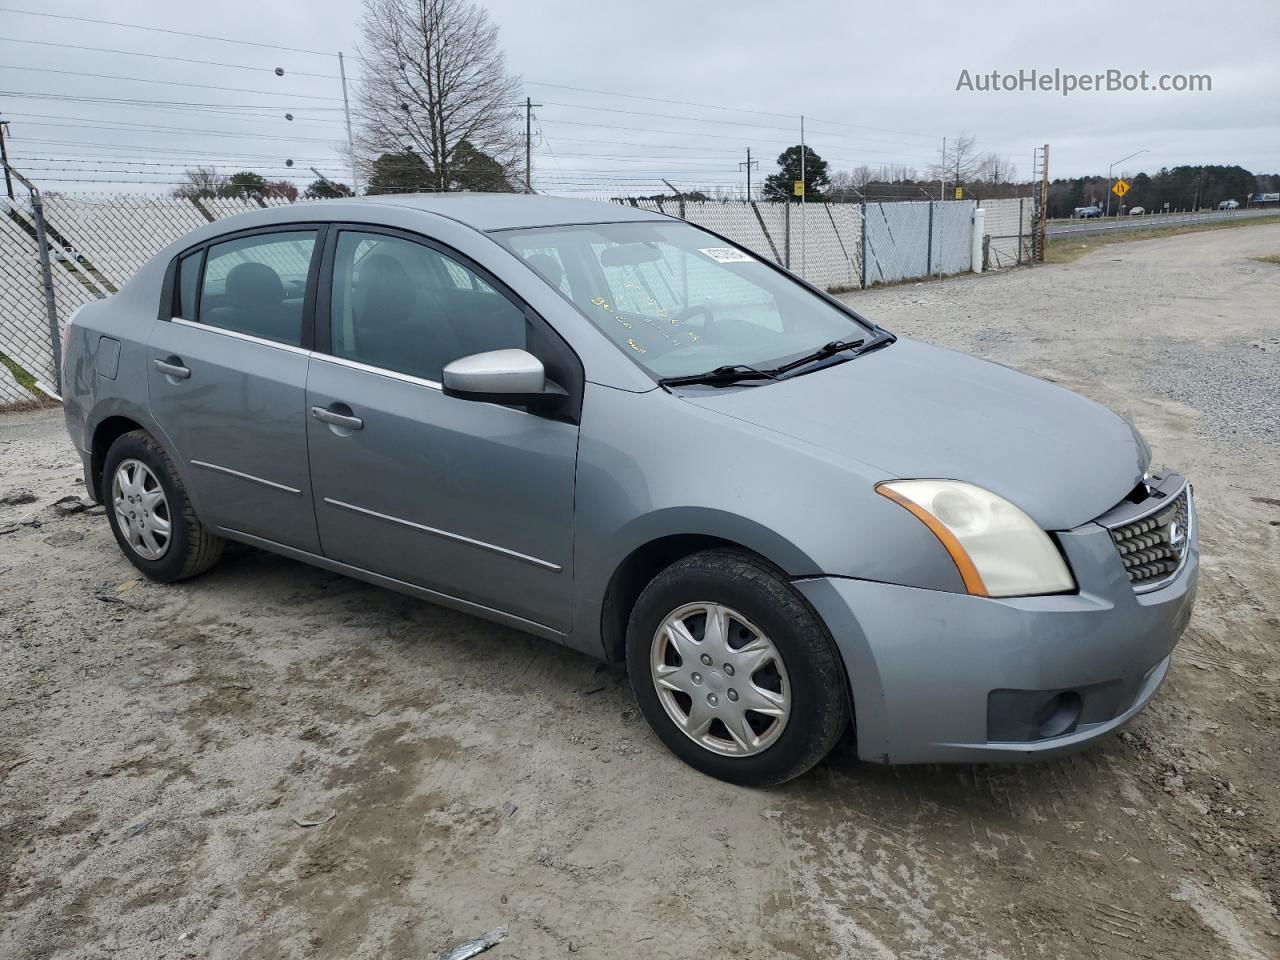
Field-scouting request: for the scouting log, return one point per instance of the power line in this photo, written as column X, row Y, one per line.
column 714, row 136
column 142, row 102
column 718, row 106
column 277, row 121
column 150, row 128
column 197, row 154
column 170, row 83
column 176, row 33
column 161, row 56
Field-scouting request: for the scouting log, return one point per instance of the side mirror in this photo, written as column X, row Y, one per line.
column 502, row 376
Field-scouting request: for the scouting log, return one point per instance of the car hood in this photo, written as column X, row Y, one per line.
column 917, row 411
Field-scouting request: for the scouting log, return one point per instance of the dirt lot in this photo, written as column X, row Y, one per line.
column 160, row 745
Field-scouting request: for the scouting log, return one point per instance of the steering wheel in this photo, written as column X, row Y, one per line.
column 697, row 308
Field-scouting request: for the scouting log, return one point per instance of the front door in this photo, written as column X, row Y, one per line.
column 227, row 380
column 469, row 499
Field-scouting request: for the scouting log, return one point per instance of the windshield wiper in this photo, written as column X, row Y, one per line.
column 822, row 353
column 729, row 373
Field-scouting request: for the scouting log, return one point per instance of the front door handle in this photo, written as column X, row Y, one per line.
column 337, row 419
column 173, row 368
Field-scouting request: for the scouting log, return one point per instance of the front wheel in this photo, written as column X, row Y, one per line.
column 733, row 670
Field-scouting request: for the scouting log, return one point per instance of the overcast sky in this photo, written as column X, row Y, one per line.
column 877, row 83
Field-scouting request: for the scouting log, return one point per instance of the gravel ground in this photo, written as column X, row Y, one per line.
column 164, row 748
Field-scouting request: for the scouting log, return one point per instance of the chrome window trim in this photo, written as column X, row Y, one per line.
column 247, row 337
column 457, row 537
column 204, row 464
column 379, row 371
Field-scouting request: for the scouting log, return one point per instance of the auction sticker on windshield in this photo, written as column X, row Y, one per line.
column 727, row 255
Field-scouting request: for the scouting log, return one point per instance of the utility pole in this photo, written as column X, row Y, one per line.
column 346, row 107
column 528, row 143
column 804, row 193
column 4, row 158
column 1044, row 198
column 748, row 165
column 942, row 174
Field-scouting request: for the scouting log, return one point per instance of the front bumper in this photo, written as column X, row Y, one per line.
column 949, row 677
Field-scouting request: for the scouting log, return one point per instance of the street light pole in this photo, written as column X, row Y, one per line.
column 346, row 109
column 1112, row 167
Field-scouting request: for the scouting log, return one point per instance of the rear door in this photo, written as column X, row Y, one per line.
column 469, row 499
column 227, row 380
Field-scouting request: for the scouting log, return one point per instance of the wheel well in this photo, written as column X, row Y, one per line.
column 634, row 574
column 107, row 432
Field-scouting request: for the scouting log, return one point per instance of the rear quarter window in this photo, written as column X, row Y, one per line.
column 188, row 284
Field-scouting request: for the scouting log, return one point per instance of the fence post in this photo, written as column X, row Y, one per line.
column 1019, row 231
column 46, row 276
column 786, row 230
column 977, row 250
column 864, row 244
column 928, row 258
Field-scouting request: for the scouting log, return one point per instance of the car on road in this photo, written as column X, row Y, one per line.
column 1137, row 211
column 623, row 433
column 1229, row 205
column 1086, row 213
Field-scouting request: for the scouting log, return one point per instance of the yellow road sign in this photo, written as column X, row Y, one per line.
column 797, row 187
column 1121, row 188
column 959, row 193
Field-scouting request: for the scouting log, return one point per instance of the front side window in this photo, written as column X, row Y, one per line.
column 257, row 284
column 406, row 307
column 677, row 300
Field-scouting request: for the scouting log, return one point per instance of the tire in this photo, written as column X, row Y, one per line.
column 802, row 683
column 188, row 548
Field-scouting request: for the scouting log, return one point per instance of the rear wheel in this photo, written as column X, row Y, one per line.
column 734, row 672
column 150, row 514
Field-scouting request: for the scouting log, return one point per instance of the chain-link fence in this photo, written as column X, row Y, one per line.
column 95, row 243
column 1009, row 227
column 844, row 246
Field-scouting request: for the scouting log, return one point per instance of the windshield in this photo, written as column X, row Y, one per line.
column 680, row 301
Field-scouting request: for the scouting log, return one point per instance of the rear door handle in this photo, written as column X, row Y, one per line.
column 337, row 419
column 173, row 368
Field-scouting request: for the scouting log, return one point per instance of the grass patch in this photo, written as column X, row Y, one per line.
column 1067, row 249
column 1269, row 258
column 25, row 379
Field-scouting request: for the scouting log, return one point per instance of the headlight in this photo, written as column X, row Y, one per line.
column 998, row 549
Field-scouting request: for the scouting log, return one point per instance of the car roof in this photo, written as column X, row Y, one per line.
column 507, row 211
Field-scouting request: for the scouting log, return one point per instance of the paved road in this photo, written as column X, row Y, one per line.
column 1093, row 227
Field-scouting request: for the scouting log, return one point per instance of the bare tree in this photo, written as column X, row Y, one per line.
column 435, row 77
column 993, row 168
column 957, row 163
column 201, row 182
column 895, row 172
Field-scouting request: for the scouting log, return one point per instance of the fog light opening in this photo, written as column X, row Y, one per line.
column 1059, row 715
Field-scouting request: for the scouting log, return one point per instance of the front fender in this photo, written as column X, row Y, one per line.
column 652, row 466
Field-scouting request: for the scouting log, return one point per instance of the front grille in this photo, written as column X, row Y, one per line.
column 1152, row 547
